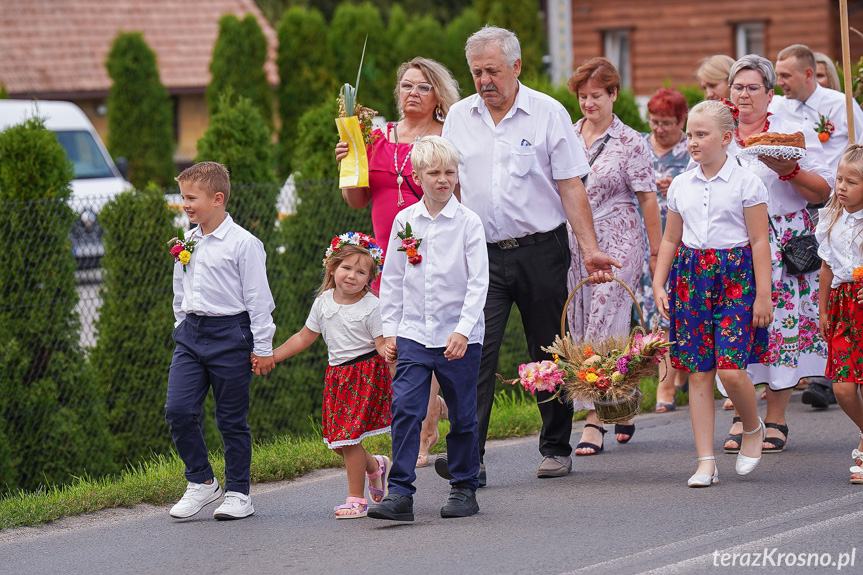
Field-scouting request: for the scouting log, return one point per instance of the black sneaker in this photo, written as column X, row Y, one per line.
column 395, row 507
column 441, row 466
column 461, row 503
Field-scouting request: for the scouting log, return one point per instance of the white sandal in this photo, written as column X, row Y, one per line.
column 856, row 469
column 705, row 479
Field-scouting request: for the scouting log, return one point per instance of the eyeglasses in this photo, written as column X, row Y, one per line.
column 423, row 88
column 751, row 88
column 666, row 125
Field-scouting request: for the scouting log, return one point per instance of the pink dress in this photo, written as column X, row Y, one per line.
column 624, row 167
column 384, row 187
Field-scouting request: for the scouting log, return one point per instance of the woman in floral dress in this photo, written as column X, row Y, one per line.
column 796, row 349
column 666, row 114
column 621, row 169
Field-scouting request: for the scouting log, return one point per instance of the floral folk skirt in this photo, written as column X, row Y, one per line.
column 796, row 348
column 845, row 335
column 357, row 399
column 710, row 296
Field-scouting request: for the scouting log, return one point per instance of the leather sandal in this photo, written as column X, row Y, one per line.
column 620, row 429
column 736, row 437
column 597, row 449
column 777, row 443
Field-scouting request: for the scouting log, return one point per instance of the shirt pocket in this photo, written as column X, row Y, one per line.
column 522, row 160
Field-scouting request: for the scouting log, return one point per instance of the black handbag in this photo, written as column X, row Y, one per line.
column 799, row 254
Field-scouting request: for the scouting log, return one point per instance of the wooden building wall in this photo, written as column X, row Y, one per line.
column 668, row 38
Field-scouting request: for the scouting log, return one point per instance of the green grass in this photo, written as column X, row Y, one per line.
column 161, row 481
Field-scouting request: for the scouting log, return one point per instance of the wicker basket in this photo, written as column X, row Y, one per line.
column 620, row 409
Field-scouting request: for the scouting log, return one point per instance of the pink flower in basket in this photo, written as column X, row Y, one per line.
column 540, row 375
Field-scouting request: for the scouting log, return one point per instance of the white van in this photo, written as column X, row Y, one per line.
column 97, row 178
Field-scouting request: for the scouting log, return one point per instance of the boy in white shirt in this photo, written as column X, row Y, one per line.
column 223, row 310
column 432, row 299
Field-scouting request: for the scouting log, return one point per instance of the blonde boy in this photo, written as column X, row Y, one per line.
column 432, row 303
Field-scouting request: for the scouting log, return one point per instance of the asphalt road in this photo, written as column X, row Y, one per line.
column 627, row 510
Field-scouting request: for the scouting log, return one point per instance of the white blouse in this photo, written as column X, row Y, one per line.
column 784, row 199
column 349, row 330
column 712, row 210
column 841, row 247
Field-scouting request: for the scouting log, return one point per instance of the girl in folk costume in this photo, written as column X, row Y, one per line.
column 714, row 252
column 358, row 387
column 840, row 235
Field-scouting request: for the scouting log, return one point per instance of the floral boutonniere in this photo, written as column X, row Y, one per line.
column 824, row 128
column 182, row 250
column 410, row 244
column 858, row 274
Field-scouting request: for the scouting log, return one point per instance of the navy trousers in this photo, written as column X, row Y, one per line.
column 411, row 388
column 212, row 352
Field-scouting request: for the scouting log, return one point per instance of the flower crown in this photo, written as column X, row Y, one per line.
column 358, row 239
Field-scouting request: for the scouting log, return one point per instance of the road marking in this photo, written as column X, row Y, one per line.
column 714, row 539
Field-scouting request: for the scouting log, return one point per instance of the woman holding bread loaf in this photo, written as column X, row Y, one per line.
column 796, row 349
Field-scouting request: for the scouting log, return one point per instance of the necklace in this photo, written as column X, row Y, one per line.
column 399, row 178
column 741, row 143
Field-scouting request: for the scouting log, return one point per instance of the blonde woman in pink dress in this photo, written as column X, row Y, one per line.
column 621, row 170
column 424, row 92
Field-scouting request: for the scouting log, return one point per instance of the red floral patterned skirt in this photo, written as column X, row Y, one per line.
column 845, row 335
column 711, row 294
column 357, row 399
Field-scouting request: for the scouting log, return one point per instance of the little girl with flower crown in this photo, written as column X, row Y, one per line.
column 714, row 252
column 840, row 235
column 357, row 388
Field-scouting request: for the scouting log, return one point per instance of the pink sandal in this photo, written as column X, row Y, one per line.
column 358, row 506
column 384, row 473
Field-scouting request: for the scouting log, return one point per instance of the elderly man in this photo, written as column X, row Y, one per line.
column 806, row 101
column 520, row 171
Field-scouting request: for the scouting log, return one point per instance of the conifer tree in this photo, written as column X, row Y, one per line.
column 305, row 75
column 134, row 347
column 523, row 18
column 347, row 34
column 140, row 113
column 456, row 34
column 239, row 139
column 237, row 65
column 51, row 413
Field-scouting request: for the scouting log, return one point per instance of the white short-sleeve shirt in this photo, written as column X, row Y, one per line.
column 348, row 330
column 840, row 246
column 712, row 210
column 508, row 172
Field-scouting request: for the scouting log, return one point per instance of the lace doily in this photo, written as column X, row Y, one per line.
column 751, row 153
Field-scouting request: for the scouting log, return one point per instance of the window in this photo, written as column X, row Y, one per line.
column 618, row 51
column 749, row 38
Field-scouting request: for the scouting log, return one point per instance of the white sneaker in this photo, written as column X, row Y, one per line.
column 196, row 497
column 235, row 506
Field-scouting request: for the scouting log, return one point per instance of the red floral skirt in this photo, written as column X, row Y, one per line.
column 845, row 334
column 357, row 399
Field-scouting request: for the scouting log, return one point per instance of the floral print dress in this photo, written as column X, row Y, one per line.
column 624, row 167
column 668, row 165
column 795, row 348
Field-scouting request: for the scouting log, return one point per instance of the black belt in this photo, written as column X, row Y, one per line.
column 364, row 357
column 527, row 240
